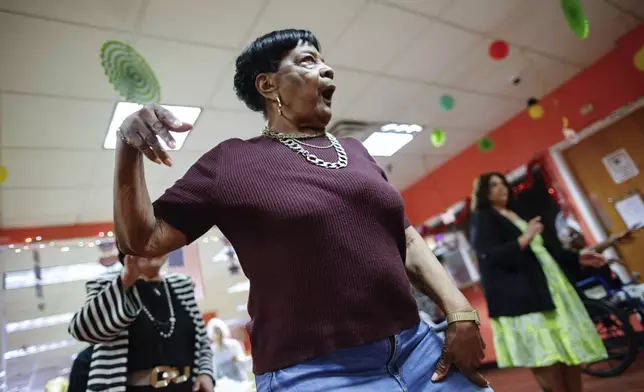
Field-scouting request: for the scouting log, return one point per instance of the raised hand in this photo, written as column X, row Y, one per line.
column 534, row 227
column 142, row 130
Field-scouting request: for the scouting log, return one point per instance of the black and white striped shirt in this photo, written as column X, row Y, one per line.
column 103, row 321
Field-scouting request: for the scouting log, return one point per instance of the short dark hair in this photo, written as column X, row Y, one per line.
column 481, row 193
column 264, row 55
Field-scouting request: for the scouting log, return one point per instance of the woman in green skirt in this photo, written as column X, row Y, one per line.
column 538, row 320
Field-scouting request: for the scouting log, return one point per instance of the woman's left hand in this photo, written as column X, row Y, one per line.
column 465, row 349
column 591, row 258
column 203, row 384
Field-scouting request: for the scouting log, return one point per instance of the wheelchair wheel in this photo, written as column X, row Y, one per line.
column 621, row 342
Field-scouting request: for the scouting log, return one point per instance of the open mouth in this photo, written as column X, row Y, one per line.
column 327, row 93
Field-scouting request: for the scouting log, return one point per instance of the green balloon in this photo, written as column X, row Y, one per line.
column 486, row 144
column 446, row 102
column 438, row 137
column 577, row 21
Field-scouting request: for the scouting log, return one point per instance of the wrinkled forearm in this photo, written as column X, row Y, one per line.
column 134, row 220
column 428, row 275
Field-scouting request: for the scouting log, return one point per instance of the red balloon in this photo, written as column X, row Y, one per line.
column 499, row 50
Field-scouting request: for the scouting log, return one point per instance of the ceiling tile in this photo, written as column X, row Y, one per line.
column 634, row 6
column 219, row 22
column 215, row 126
column 478, row 15
column 103, row 169
column 606, row 25
column 471, row 111
column 349, row 85
column 116, row 14
column 403, row 171
column 375, row 37
column 29, row 203
column 327, row 22
column 188, row 83
column 225, row 98
column 384, row 100
column 39, row 57
column 82, row 123
column 436, row 49
column 425, row 7
column 47, row 168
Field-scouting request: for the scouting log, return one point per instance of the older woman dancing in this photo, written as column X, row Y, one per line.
column 318, row 230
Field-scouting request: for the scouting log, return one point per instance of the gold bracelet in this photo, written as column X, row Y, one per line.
column 464, row 316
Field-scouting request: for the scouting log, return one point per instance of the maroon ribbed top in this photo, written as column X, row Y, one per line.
column 323, row 249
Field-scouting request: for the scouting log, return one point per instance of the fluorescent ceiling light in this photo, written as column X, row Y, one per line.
column 187, row 114
column 39, row 322
column 385, row 144
column 390, row 139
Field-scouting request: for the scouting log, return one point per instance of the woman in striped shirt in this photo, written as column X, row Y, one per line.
column 146, row 329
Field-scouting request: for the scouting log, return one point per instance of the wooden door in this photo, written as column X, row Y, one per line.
column 585, row 162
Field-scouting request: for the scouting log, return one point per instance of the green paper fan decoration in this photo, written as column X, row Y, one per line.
column 438, row 137
column 575, row 17
column 129, row 73
column 486, row 144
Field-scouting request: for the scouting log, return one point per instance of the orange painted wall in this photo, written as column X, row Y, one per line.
column 608, row 84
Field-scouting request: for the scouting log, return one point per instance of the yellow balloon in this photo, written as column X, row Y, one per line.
column 3, row 174
column 638, row 59
column 535, row 111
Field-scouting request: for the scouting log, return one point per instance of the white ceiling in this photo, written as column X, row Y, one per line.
column 393, row 59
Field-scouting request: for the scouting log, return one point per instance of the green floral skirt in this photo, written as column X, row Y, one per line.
column 564, row 335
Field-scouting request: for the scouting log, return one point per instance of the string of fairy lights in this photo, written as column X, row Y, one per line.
column 37, row 242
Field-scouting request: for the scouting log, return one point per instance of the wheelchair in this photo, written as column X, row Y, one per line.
column 612, row 310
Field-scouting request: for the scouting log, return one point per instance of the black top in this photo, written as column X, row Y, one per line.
column 512, row 278
column 79, row 373
column 146, row 347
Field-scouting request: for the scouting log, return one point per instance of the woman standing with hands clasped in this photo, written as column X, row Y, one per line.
column 147, row 331
column 538, row 319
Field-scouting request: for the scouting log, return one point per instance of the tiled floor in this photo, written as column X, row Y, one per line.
column 513, row 380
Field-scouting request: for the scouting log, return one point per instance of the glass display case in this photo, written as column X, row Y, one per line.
column 454, row 251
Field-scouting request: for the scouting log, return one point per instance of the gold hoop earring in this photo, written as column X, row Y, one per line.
column 279, row 106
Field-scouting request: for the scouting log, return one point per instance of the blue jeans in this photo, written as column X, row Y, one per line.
column 403, row 363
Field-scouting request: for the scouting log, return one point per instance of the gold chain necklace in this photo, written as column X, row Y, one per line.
column 279, row 135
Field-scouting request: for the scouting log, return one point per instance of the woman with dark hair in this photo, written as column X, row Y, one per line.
column 538, row 320
column 147, row 331
column 318, row 230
